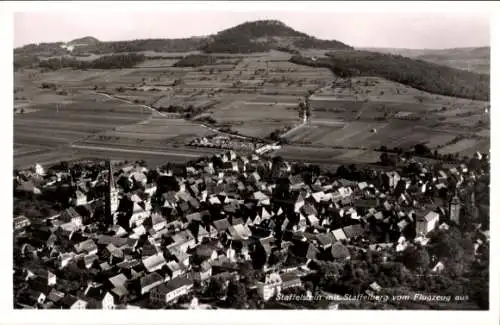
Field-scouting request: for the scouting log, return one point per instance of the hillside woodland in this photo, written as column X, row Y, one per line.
column 114, row 61
column 418, row 74
column 265, row 35
column 476, row 59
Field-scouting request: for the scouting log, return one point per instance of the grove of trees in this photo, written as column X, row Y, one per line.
column 114, row 61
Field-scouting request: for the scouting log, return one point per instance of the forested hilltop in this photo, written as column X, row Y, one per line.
column 265, row 35
column 418, row 74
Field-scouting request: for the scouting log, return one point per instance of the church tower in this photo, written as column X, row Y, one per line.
column 455, row 209
column 111, row 196
column 471, row 205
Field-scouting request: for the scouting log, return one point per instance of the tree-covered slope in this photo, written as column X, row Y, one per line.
column 415, row 73
column 265, row 35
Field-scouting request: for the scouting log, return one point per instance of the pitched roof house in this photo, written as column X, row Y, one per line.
column 171, row 291
column 73, row 302
column 154, row 262
column 98, row 297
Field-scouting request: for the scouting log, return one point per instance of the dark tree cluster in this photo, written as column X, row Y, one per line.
column 25, row 61
column 314, row 43
column 189, row 111
column 353, row 173
column 156, row 45
column 115, row 61
column 42, row 49
column 234, row 45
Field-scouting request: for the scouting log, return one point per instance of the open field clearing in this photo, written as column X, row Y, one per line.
column 66, row 76
column 245, row 112
column 361, row 135
column 40, row 97
column 337, row 107
column 389, row 109
column 326, row 155
column 89, row 109
column 153, row 157
column 55, row 125
column 46, row 136
column 255, row 115
column 469, row 121
column 485, row 133
column 283, row 99
column 22, row 150
column 311, row 133
column 467, row 147
column 154, row 132
column 44, row 157
column 381, row 90
column 157, row 63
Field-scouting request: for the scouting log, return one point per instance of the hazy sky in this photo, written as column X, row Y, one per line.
column 401, row 30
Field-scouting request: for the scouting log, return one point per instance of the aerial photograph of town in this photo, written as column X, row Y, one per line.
column 261, row 161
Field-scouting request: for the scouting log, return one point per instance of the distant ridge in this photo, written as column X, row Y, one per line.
column 255, row 36
column 434, row 71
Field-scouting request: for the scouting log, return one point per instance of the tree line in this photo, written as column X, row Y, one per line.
column 156, row 45
column 114, row 61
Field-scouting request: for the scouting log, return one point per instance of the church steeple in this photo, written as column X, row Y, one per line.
column 455, row 205
column 111, row 196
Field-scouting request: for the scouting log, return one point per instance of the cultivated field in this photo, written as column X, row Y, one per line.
column 53, row 126
column 369, row 95
column 375, row 112
column 156, row 131
column 253, row 95
column 370, row 135
column 322, row 155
